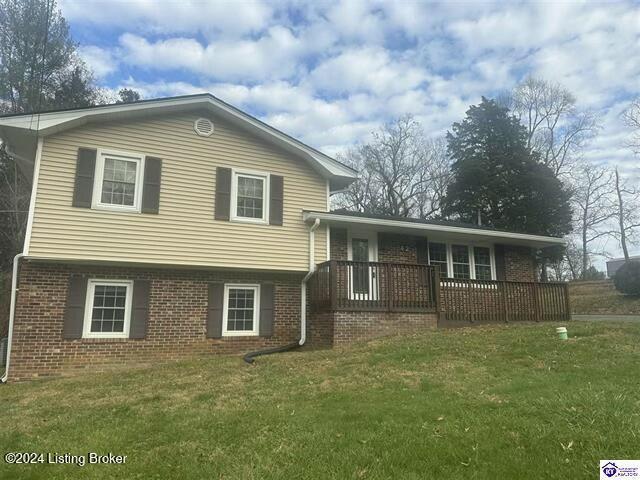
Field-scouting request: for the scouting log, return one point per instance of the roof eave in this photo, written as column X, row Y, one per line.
column 536, row 241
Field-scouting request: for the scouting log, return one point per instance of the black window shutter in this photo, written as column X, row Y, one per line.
column 422, row 251
column 276, row 188
column 267, row 302
column 151, row 185
column 223, row 193
column 85, row 170
column 74, row 313
column 500, row 262
column 214, row 310
column 140, row 309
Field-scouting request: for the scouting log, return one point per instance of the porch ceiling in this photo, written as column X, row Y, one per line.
column 436, row 231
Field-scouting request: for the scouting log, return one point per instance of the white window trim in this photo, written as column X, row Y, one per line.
column 264, row 176
column 99, row 177
column 256, row 312
column 472, row 265
column 88, row 308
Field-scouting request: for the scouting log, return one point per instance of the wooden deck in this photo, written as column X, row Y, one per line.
column 340, row 285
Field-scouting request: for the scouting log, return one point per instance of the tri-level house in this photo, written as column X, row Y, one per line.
column 184, row 226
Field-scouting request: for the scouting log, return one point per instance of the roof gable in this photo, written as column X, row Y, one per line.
column 48, row 123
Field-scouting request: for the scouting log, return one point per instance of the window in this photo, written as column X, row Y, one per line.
column 240, row 316
column 108, row 309
column 460, row 261
column 118, row 181
column 482, row 262
column 438, row 256
column 249, row 197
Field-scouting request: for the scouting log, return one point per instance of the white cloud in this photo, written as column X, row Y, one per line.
column 100, row 60
column 367, row 69
column 274, row 55
column 208, row 18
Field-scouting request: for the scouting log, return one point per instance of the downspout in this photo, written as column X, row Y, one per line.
column 303, row 287
column 12, row 312
column 249, row 357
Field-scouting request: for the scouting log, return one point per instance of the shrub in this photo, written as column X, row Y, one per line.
column 627, row 278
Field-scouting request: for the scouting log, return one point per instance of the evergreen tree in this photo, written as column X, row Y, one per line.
column 498, row 179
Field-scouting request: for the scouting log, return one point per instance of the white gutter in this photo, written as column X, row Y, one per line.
column 432, row 227
column 303, row 286
column 12, row 312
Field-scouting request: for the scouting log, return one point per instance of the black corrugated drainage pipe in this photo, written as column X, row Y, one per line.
column 249, row 357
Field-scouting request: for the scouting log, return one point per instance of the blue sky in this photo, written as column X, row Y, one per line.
column 329, row 73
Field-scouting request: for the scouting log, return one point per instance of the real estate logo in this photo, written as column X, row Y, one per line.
column 610, row 469
column 619, row 469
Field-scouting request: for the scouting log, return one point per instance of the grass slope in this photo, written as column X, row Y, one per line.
column 601, row 297
column 489, row 402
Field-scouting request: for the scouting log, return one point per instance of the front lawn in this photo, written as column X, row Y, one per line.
column 489, row 402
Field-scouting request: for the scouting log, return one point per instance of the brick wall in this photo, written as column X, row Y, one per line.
column 338, row 244
column 176, row 327
column 396, row 248
column 519, row 264
column 349, row 327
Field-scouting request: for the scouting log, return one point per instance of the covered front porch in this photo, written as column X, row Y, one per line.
column 399, row 272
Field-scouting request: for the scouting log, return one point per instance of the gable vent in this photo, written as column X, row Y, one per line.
column 203, row 127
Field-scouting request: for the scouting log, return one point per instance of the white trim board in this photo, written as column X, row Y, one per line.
column 32, row 201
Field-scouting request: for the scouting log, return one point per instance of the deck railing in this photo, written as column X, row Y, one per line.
column 500, row 301
column 374, row 286
column 395, row 287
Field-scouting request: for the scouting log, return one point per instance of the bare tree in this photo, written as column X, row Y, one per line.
column 401, row 172
column 569, row 266
column 627, row 203
column 592, row 197
column 15, row 192
column 435, row 175
column 632, row 119
column 556, row 129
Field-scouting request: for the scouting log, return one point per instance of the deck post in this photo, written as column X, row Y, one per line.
column 504, row 285
column 567, row 304
column 333, row 284
column 388, row 289
column 436, row 288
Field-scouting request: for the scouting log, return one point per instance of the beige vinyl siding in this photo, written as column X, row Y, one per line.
column 184, row 232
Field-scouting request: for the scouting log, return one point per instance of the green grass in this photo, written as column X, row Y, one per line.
column 487, row 402
column 601, row 298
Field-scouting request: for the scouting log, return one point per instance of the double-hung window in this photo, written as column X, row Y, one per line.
column 249, row 197
column 240, row 312
column 118, row 181
column 108, row 309
column 482, row 262
column 460, row 261
column 438, row 256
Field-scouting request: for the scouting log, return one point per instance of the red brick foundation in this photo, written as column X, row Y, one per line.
column 342, row 328
column 176, row 326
